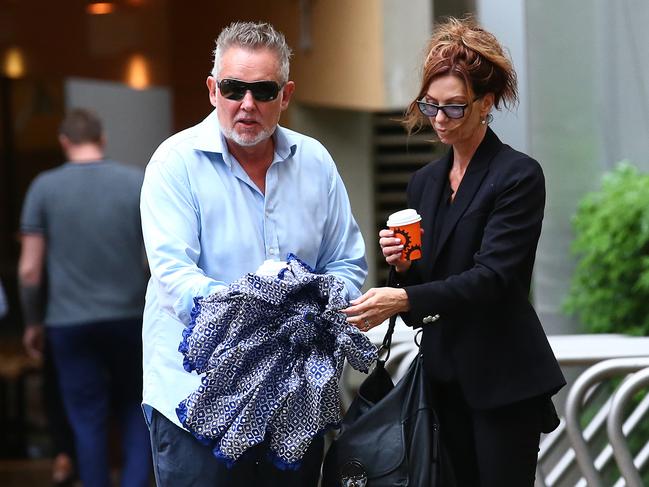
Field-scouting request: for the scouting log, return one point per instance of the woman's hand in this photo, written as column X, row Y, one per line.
column 376, row 306
column 391, row 247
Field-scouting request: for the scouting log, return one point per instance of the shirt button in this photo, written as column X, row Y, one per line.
column 272, row 251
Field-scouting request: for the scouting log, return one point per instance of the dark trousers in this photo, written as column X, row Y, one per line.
column 57, row 419
column 99, row 367
column 489, row 448
column 179, row 460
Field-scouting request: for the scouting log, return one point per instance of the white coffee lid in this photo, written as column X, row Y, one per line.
column 403, row 217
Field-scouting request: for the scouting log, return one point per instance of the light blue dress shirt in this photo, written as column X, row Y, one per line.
column 205, row 224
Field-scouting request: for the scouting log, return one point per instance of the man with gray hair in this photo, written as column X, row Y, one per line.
column 218, row 200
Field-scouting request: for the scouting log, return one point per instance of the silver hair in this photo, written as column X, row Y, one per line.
column 253, row 35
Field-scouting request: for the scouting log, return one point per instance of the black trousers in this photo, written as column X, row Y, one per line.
column 489, row 448
column 179, row 460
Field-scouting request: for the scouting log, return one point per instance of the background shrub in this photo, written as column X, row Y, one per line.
column 609, row 290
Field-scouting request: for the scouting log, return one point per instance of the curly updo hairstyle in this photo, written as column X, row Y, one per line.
column 460, row 47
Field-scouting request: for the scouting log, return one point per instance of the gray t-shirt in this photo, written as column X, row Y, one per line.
column 89, row 215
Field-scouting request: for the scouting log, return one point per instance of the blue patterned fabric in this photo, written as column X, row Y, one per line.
column 272, row 349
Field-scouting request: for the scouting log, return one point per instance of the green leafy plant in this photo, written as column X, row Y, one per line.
column 609, row 291
column 610, row 286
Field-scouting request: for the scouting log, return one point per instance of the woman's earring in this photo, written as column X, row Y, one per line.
column 483, row 121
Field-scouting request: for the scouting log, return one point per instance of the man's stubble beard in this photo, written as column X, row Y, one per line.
column 247, row 141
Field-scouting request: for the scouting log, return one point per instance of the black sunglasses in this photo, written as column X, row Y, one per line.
column 234, row 89
column 451, row 111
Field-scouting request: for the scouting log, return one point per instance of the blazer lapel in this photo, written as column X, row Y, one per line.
column 428, row 205
column 471, row 182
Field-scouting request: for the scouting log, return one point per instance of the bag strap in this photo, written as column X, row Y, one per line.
column 387, row 339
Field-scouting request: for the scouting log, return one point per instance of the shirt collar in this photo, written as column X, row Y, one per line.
column 206, row 140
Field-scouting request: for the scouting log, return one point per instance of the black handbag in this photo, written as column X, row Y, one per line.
column 390, row 434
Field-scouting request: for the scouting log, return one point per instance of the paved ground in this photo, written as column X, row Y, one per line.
column 22, row 473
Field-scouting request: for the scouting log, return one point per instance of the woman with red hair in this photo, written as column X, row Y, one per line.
column 490, row 367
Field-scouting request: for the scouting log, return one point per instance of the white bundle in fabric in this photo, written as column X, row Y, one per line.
column 272, row 347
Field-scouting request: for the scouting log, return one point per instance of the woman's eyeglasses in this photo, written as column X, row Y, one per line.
column 234, row 89
column 454, row 111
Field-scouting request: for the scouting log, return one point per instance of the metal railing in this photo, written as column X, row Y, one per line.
column 565, row 455
column 611, row 413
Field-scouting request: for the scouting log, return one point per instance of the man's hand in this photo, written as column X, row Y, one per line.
column 34, row 341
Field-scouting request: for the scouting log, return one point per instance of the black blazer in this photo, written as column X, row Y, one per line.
column 471, row 294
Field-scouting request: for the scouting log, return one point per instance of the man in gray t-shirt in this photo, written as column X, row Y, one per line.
column 82, row 275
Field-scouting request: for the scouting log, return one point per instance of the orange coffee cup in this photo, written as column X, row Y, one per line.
column 406, row 227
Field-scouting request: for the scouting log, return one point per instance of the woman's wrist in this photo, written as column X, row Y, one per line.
column 402, row 266
column 404, row 301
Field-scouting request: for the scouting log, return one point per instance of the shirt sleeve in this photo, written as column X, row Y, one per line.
column 171, row 230
column 343, row 250
column 33, row 217
column 4, row 306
